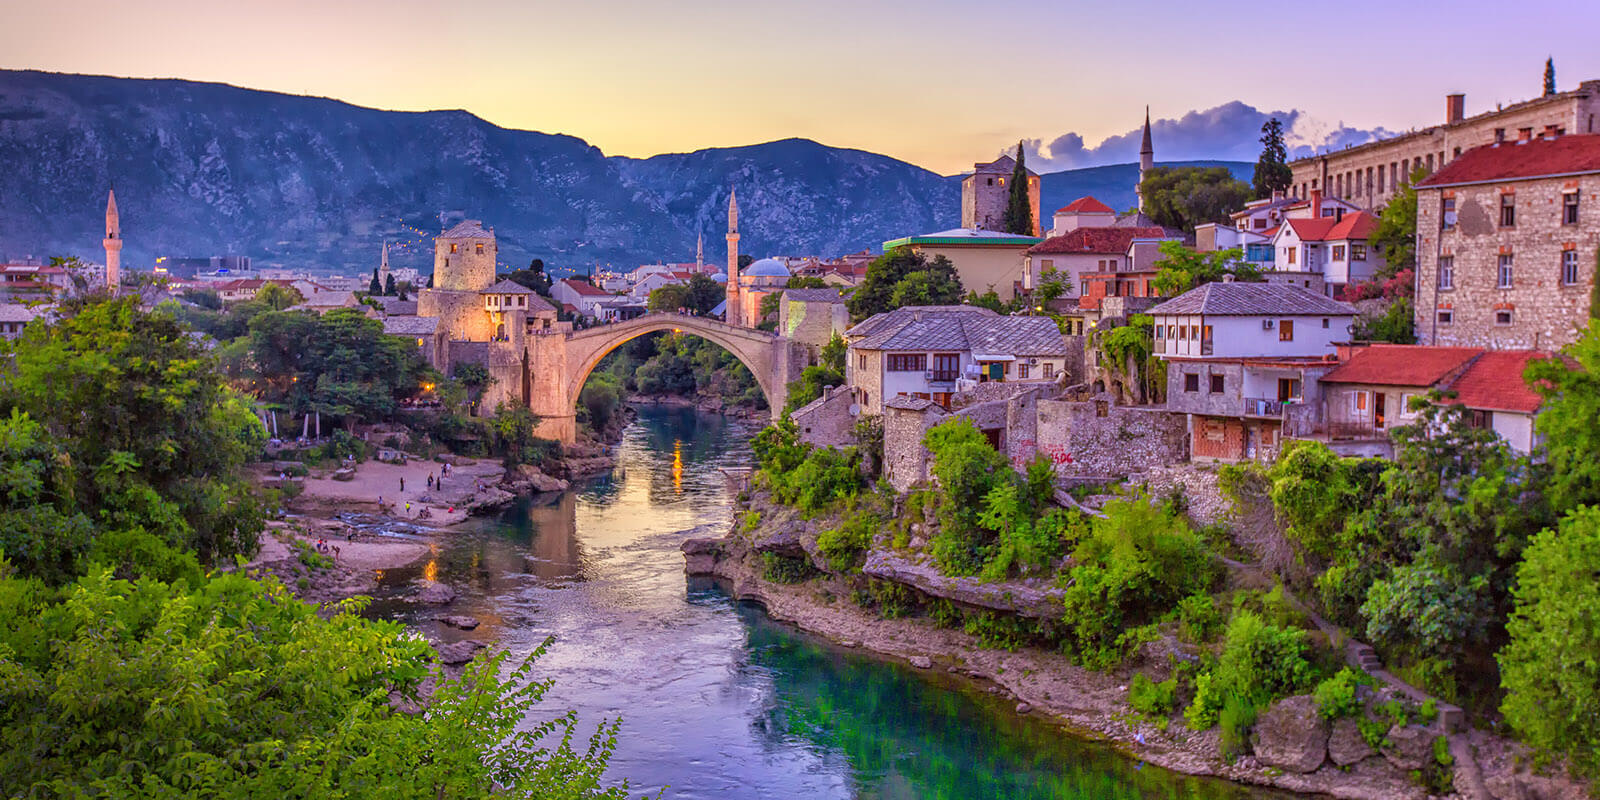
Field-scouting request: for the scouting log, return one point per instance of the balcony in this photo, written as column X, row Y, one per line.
column 933, row 376
column 1263, row 407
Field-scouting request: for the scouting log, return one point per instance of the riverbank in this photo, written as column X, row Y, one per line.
column 706, row 403
column 1293, row 748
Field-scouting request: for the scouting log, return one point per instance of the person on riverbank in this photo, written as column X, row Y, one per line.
column 402, row 483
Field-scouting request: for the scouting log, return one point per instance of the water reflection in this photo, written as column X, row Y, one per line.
column 716, row 700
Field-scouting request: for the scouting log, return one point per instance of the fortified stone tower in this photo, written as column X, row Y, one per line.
column 113, row 243
column 464, row 258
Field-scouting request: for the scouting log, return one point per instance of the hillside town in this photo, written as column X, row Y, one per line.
column 1256, row 480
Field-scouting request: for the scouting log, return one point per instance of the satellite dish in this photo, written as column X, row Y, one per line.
column 855, row 409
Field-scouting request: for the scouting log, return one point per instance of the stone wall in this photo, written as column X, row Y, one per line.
column 826, row 421
column 1097, row 438
column 905, row 459
column 1545, row 313
column 1207, row 505
column 813, row 323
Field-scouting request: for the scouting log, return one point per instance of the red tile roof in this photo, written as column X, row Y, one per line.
column 585, row 288
column 1085, row 205
column 1494, row 382
column 1310, row 230
column 1359, row 225
column 1402, row 365
column 1563, row 155
column 1095, row 240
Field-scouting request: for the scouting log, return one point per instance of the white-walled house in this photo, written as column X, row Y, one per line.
column 1243, row 358
column 931, row 352
column 1335, row 248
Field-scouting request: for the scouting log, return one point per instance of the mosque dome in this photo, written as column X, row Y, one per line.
column 766, row 268
column 720, row 277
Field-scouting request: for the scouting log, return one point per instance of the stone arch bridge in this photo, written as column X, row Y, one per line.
column 557, row 362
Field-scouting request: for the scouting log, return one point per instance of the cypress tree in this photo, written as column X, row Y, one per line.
column 1549, row 77
column 1019, row 211
column 1272, row 169
column 374, row 289
column 388, row 285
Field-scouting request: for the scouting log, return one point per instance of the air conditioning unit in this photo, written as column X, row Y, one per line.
column 1033, row 362
column 1266, row 324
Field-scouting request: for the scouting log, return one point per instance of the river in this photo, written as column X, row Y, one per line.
column 716, row 700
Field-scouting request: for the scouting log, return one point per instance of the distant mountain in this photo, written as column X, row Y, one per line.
column 206, row 169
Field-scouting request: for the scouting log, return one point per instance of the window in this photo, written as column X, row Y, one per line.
column 1508, row 210
column 1447, row 272
column 1358, row 402
column 522, row 301
column 1207, row 332
column 1183, row 333
column 1194, row 332
column 1358, row 252
column 1324, row 323
column 1291, row 254
column 1161, row 332
column 1048, row 263
column 1502, row 316
column 1022, row 371
column 1288, row 389
column 1216, row 384
column 1447, row 213
column 452, row 248
column 1084, row 288
column 1286, row 330
column 1569, row 208
column 1259, row 223
column 1338, row 252
column 1191, row 382
column 991, row 181
column 1446, row 316
column 1569, row 267
column 480, row 249
column 1049, row 370
column 861, row 361
column 908, row 362
column 1503, row 277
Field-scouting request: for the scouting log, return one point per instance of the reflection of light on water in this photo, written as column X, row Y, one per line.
column 677, row 465
column 430, row 572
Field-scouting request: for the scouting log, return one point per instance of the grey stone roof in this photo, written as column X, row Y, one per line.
column 15, row 312
column 814, row 295
column 507, row 287
column 395, row 307
column 467, row 229
column 909, row 403
column 411, row 326
column 1253, row 299
column 958, row 328
column 330, row 299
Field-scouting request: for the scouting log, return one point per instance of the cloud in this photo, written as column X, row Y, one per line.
column 1231, row 131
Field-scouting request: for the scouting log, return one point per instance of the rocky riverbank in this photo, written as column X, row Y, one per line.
column 1291, row 747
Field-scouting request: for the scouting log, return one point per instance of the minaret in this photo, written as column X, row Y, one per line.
column 383, row 265
column 732, row 315
column 113, row 244
column 699, row 251
column 1147, row 158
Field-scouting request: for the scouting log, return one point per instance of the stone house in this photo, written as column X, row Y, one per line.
column 1244, row 359
column 587, row 299
column 985, row 195
column 1371, row 392
column 1085, row 251
column 812, row 316
column 1507, row 243
column 931, row 352
column 13, row 318
column 1368, row 174
column 1084, row 212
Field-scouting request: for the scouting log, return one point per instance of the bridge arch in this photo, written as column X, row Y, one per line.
column 764, row 354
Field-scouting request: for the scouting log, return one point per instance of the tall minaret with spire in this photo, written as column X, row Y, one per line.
column 113, row 244
column 732, row 316
column 1147, row 158
column 383, row 266
column 699, row 250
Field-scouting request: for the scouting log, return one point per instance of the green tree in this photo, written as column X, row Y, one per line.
column 340, row 364
column 230, row 688
column 833, row 354
column 809, row 386
column 374, row 288
column 703, row 294
column 876, row 294
column 1396, row 325
column 937, row 285
column 1549, row 668
column 154, row 439
column 388, row 285
column 672, row 297
column 1181, row 269
column 1549, row 76
column 1566, row 421
column 1395, row 237
column 1272, row 168
column 1018, row 216
column 1183, row 197
column 277, row 298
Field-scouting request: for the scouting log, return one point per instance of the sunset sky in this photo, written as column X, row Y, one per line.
column 934, row 82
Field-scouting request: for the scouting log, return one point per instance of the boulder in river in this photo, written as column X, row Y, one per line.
column 1346, row 745
column 1408, row 747
column 921, row 662
column 461, row 621
column 1291, row 735
column 534, row 479
column 434, row 593
column 461, row 652
column 700, row 555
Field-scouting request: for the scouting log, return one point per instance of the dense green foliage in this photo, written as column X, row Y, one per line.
column 1183, row 197
column 1397, row 324
column 902, row 277
column 1272, row 168
column 1128, row 351
column 1571, row 395
column 1260, row 663
column 682, row 365
column 1135, row 566
column 1551, row 666
column 1182, row 269
column 234, row 689
column 1338, row 696
column 699, row 296
column 1018, row 217
column 812, row 479
column 1395, row 238
column 116, row 418
column 340, row 364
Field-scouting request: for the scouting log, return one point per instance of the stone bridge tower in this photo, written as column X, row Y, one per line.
column 463, row 266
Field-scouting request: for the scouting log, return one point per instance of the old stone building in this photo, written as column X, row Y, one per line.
column 1507, row 237
column 1367, row 174
column 985, row 195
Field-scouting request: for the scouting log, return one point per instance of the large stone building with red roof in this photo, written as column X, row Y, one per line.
column 1508, row 238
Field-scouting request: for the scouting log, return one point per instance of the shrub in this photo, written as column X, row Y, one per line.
column 1150, row 698
column 1134, row 567
column 1259, row 664
column 1548, row 669
column 1198, row 618
column 824, row 476
column 844, row 545
column 967, row 467
column 997, row 631
column 310, row 557
column 1337, row 696
column 749, row 521
column 1234, row 721
column 785, row 569
column 894, row 600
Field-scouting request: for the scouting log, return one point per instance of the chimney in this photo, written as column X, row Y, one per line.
column 1455, row 107
column 1316, row 204
column 1227, row 277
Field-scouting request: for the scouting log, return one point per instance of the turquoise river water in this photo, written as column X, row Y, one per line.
column 716, row 700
